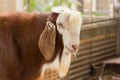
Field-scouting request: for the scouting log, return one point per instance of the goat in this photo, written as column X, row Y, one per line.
column 33, row 42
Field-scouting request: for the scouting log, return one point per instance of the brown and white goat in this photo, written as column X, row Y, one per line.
column 33, row 42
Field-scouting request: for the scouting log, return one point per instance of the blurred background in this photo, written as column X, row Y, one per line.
column 93, row 10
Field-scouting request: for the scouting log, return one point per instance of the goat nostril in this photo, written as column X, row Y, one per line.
column 75, row 47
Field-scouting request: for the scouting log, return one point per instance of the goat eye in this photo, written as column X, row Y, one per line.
column 60, row 25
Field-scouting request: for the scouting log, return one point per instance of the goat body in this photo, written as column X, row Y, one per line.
column 20, row 57
column 32, row 42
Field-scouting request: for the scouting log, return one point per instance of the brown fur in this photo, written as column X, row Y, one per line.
column 20, row 57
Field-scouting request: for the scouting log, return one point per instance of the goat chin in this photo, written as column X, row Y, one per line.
column 62, row 66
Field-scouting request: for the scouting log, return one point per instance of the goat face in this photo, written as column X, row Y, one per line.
column 68, row 25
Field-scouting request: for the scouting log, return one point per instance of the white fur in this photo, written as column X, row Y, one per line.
column 71, row 22
column 52, row 66
column 61, row 66
column 59, row 9
column 65, row 63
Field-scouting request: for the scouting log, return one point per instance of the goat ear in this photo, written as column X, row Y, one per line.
column 46, row 42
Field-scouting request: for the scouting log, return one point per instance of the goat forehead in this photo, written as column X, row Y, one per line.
column 70, row 18
column 62, row 18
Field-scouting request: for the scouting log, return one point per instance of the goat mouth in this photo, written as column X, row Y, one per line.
column 73, row 51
